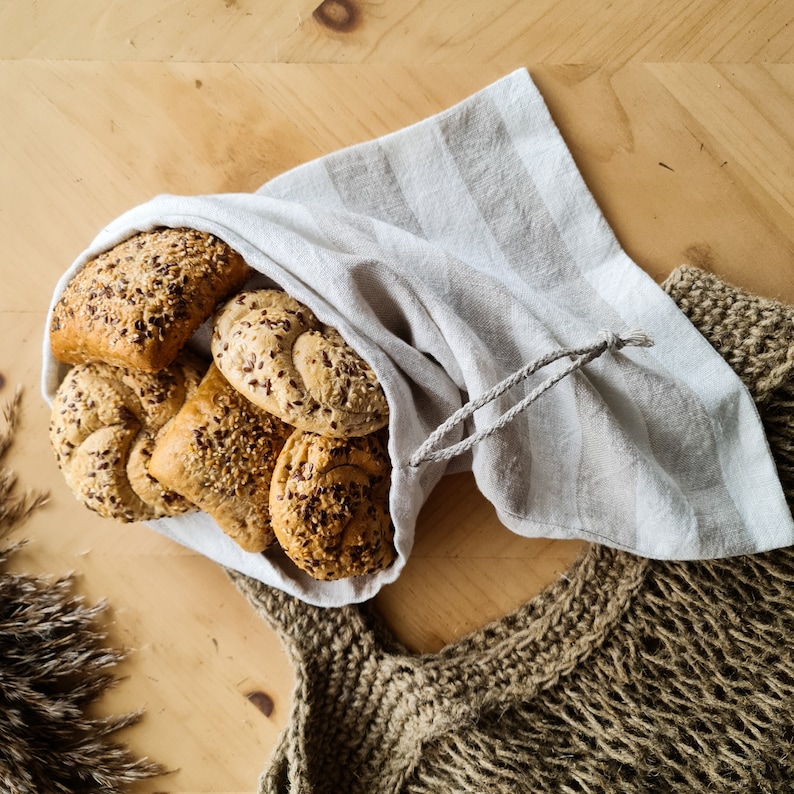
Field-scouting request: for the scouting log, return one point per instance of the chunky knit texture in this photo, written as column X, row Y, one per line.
column 626, row 675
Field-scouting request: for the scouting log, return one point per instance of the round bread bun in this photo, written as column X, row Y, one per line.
column 329, row 505
column 104, row 424
column 273, row 350
column 137, row 304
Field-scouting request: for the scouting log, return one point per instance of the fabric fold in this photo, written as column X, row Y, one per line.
column 452, row 253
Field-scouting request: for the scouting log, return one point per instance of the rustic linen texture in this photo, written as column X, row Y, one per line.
column 449, row 255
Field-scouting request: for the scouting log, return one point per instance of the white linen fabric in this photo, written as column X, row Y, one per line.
column 452, row 254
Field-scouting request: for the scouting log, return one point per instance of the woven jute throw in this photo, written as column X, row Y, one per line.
column 627, row 675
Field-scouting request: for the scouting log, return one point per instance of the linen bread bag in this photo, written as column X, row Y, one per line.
column 465, row 261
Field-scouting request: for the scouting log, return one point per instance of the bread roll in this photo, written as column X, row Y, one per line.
column 274, row 351
column 138, row 303
column 104, row 423
column 220, row 452
column 329, row 505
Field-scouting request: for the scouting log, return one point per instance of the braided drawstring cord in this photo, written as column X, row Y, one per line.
column 606, row 340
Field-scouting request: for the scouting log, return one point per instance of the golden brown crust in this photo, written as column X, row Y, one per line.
column 329, row 505
column 138, row 303
column 104, row 420
column 220, row 452
column 273, row 350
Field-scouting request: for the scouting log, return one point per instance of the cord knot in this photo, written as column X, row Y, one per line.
column 635, row 337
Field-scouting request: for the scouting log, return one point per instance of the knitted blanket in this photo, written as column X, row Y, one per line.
column 627, row 675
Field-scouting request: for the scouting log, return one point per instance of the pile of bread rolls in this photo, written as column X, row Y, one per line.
column 280, row 438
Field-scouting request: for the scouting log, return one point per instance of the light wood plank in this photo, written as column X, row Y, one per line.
column 511, row 32
column 674, row 187
column 507, row 32
column 668, row 173
column 180, row 30
column 689, row 160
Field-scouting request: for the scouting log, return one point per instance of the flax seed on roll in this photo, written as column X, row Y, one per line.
column 220, row 452
column 104, row 424
column 274, row 351
column 329, row 504
column 138, row 303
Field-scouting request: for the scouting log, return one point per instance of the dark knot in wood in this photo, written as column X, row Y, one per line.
column 262, row 701
column 341, row 16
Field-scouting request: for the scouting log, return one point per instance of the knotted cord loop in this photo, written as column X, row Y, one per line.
column 606, row 340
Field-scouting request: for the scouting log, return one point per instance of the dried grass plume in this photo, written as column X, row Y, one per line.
column 53, row 665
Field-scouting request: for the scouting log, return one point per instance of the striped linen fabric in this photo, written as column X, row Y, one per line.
column 453, row 254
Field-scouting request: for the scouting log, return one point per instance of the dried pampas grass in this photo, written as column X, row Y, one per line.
column 53, row 664
column 14, row 509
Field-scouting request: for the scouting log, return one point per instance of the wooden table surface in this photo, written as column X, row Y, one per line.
column 679, row 115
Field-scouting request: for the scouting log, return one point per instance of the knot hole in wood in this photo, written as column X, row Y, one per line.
column 341, row 16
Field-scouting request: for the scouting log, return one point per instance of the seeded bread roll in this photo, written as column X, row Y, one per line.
column 137, row 304
column 329, row 505
column 105, row 421
column 220, row 452
column 274, row 351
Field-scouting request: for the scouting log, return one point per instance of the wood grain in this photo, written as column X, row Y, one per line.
column 503, row 32
column 684, row 165
column 677, row 114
